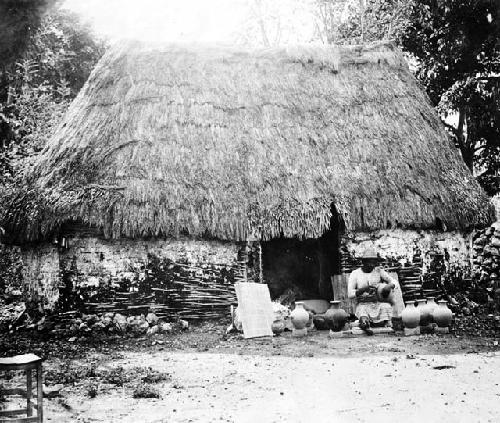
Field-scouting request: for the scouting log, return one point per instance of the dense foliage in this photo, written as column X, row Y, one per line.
column 37, row 87
column 456, row 44
column 355, row 22
column 19, row 20
column 37, row 83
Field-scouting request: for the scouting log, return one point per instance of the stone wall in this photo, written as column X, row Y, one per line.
column 107, row 261
column 206, row 268
column 41, row 275
column 11, row 271
column 486, row 256
column 402, row 244
column 91, row 263
column 496, row 203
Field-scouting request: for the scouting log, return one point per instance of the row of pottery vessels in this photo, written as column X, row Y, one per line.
column 426, row 313
column 335, row 317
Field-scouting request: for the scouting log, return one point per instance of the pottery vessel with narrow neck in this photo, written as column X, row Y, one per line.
column 410, row 315
column 431, row 305
column 442, row 314
column 299, row 316
column 335, row 317
column 425, row 313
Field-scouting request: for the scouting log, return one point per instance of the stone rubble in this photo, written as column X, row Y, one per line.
column 486, row 261
column 10, row 314
column 74, row 324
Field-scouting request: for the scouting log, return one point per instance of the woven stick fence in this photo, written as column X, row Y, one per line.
column 184, row 290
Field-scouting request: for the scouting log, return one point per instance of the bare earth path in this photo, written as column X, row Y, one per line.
column 381, row 379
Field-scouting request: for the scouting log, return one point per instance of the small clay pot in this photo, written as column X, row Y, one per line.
column 299, row 316
column 410, row 315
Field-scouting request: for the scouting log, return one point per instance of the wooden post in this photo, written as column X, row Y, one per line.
column 29, row 388
column 253, row 260
column 261, row 271
column 339, row 286
column 245, row 263
column 39, row 393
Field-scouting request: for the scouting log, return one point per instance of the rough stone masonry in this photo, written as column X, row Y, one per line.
column 94, row 262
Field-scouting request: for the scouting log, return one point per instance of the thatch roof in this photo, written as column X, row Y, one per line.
column 220, row 142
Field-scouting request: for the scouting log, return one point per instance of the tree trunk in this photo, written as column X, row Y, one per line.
column 262, row 25
column 362, row 20
column 466, row 148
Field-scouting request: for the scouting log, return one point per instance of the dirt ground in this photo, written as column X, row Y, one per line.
column 202, row 375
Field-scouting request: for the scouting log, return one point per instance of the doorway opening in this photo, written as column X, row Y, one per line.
column 304, row 266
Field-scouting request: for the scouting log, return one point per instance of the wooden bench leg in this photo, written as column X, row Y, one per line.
column 29, row 388
column 39, row 393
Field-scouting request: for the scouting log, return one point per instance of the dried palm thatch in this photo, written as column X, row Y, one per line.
column 221, row 142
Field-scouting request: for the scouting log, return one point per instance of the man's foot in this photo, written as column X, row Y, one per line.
column 364, row 325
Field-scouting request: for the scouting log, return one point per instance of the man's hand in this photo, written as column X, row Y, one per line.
column 367, row 290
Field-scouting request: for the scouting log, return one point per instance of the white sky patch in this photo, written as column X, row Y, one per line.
column 159, row 20
column 220, row 21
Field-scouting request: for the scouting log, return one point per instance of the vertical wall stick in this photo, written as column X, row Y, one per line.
column 261, row 271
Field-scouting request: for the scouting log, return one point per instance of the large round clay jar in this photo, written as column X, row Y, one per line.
column 431, row 305
column 299, row 316
column 442, row 314
column 335, row 317
column 410, row 315
column 425, row 313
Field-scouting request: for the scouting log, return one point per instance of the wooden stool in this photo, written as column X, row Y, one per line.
column 26, row 362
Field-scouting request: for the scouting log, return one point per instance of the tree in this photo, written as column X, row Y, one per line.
column 39, row 86
column 456, row 44
column 358, row 21
column 19, row 20
column 273, row 22
column 65, row 49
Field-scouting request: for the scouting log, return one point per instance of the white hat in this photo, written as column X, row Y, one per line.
column 369, row 253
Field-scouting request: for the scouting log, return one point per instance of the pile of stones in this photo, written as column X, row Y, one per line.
column 112, row 323
column 486, row 258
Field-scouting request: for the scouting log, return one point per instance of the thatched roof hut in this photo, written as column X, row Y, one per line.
column 225, row 142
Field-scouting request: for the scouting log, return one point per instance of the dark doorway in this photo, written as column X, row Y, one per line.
column 305, row 266
column 329, row 253
column 291, row 264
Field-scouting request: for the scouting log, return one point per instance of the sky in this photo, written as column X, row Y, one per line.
column 187, row 20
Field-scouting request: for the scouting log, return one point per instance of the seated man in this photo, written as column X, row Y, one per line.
column 371, row 286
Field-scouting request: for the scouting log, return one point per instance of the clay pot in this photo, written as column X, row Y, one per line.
column 431, row 305
column 299, row 316
column 425, row 313
column 442, row 314
column 384, row 294
column 278, row 327
column 410, row 315
column 335, row 317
